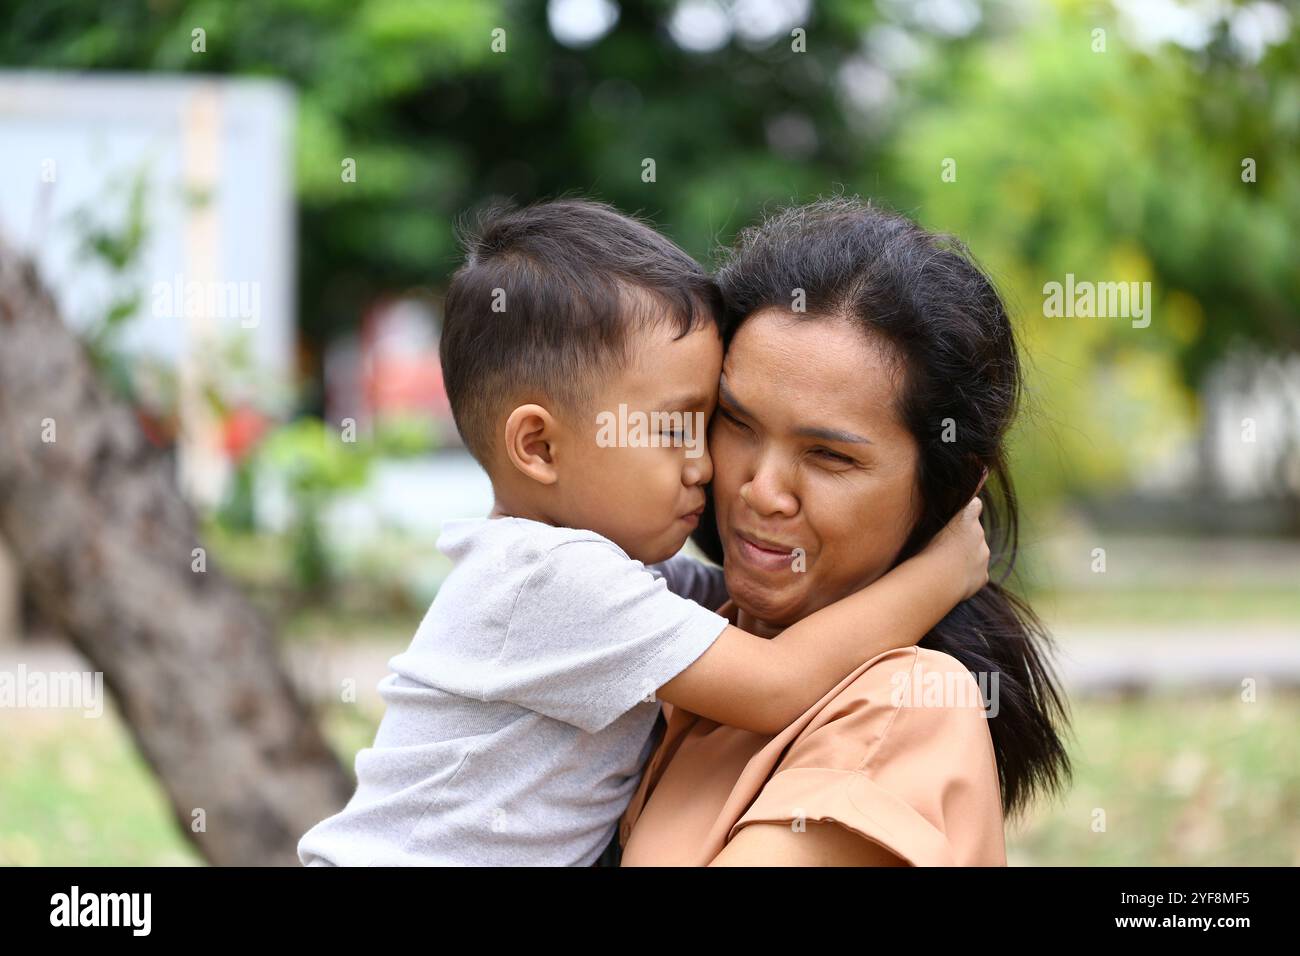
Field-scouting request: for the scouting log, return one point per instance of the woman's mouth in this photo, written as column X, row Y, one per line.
column 762, row 554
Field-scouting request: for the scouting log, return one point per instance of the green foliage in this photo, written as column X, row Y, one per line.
column 405, row 436
column 1114, row 166
column 118, row 248
column 315, row 464
column 313, row 460
column 113, row 241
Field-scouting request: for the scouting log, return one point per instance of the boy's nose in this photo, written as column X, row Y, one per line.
column 698, row 470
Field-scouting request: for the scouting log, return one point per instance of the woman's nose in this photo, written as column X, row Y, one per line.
column 768, row 491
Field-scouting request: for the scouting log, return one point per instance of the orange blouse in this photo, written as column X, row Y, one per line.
column 884, row 754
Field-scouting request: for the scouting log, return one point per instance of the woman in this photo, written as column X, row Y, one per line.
column 871, row 376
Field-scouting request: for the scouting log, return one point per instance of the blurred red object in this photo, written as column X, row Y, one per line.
column 241, row 430
column 399, row 357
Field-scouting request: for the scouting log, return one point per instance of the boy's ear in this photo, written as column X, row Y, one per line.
column 529, row 441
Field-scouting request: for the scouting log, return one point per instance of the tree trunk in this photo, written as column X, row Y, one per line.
column 104, row 542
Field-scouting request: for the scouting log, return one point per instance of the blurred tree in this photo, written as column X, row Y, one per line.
column 108, row 551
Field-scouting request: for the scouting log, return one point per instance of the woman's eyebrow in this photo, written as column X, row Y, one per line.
column 724, row 393
column 831, row 434
column 804, row 431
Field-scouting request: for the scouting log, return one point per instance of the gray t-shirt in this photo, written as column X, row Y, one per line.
column 519, row 720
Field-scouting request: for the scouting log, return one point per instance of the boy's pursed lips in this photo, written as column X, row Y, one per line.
column 693, row 517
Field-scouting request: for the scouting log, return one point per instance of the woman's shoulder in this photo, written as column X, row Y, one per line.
column 900, row 668
column 899, row 753
column 894, row 700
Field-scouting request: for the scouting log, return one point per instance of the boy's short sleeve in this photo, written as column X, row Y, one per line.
column 593, row 633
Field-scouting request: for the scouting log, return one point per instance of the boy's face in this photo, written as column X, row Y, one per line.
column 636, row 468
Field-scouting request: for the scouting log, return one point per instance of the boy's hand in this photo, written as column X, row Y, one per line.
column 963, row 549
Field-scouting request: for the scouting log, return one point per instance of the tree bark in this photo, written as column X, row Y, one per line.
column 104, row 541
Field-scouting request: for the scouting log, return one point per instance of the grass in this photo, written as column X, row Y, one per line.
column 77, row 793
column 1181, row 781
column 1175, row 781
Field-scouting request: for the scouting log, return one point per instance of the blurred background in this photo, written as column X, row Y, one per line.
column 247, row 213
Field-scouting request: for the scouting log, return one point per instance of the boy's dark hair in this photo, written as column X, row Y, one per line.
column 544, row 303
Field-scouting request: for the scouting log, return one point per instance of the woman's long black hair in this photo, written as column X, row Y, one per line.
column 928, row 298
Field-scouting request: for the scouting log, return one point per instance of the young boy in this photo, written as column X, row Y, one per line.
column 518, row 722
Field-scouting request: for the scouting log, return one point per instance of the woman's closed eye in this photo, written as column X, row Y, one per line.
column 833, row 457
column 731, row 419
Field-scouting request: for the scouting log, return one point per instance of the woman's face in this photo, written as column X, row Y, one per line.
column 814, row 475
